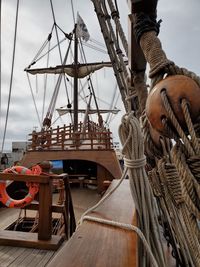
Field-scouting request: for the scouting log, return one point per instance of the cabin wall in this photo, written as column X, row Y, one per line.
column 103, row 175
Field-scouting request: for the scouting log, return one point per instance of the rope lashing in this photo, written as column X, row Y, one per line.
column 145, row 23
column 194, row 164
column 191, row 189
column 172, row 181
column 134, row 164
column 154, row 54
column 176, row 204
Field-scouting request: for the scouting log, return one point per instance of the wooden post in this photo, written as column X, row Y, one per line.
column 57, row 135
column 45, row 214
column 62, row 140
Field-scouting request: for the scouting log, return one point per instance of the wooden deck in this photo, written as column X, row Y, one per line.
column 28, row 257
column 93, row 244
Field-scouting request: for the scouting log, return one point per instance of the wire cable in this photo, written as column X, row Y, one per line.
column 11, row 77
column 73, row 14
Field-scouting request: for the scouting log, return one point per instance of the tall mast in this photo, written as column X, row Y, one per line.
column 75, row 80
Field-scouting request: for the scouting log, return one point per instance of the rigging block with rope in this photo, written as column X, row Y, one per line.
column 176, row 88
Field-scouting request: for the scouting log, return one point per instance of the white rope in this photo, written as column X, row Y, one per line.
column 126, row 227
column 135, row 163
column 118, row 224
column 104, row 197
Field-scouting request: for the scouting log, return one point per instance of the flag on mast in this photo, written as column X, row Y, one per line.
column 81, row 30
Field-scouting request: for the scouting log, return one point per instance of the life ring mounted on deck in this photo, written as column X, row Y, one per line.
column 33, row 188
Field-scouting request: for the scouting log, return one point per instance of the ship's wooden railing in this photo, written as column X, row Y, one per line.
column 43, row 239
column 61, row 138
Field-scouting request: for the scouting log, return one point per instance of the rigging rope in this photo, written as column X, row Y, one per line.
column 56, row 90
column 11, row 77
column 112, row 47
column 56, row 29
column 0, row 60
column 73, row 13
column 32, row 94
column 177, row 170
column 91, row 88
column 45, row 85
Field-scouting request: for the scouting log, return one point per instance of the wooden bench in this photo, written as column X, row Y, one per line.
column 81, row 179
column 95, row 244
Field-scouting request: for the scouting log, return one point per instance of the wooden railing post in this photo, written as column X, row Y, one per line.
column 63, row 140
column 34, row 140
column 45, row 214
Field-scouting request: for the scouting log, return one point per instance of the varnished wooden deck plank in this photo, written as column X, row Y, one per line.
column 98, row 245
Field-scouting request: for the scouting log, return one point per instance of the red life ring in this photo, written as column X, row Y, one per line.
column 14, row 203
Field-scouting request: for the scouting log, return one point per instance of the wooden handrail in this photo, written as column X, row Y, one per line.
column 62, row 138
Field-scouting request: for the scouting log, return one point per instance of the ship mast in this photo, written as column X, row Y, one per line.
column 75, row 80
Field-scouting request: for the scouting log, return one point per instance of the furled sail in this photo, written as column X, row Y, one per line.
column 82, row 69
column 62, row 111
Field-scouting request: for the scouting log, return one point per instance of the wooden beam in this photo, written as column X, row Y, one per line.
column 45, row 213
column 137, row 61
column 42, row 179
column 29, row 240
column 54, row 208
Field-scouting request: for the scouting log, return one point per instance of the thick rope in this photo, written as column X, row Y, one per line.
column 176, row 188
column 189, row 183
column 115, row 16
column 133, row 148
column 155, row 56
column 174, row 200
column 190, row 126
column 175, row 122
column 109, row 41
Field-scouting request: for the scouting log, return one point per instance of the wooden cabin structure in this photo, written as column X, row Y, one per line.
column 87, row 155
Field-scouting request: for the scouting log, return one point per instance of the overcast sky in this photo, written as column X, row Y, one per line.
column 180, row 37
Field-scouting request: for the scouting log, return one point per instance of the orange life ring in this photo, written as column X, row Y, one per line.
column 14, row 203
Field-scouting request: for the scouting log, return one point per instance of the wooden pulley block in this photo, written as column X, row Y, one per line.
column 177, row 88
column 155, row 136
